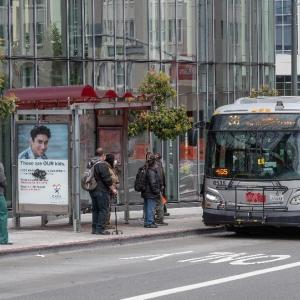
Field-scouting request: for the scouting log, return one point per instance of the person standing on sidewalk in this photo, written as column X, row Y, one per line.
column 110, row 159
column 101, row 195
column 159, row 220
column 151, row 194
column 3, row 209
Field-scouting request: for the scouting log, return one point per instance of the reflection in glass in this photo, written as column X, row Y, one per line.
column 22, row 28
column 23, row 74
column 51, row 28
column 75, row 25
column 4, row 26
column 52, row 73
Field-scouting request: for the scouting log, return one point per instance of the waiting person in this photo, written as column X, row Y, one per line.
column 151, row 194
column 3, row 209
column 110, row 159
column 39, row 139
column 101, row 195
column 159, row 220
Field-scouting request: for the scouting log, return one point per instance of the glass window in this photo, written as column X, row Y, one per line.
column 23, row 74
column 4, row 26
column 52, row 73
column 168, row 25
column 104, row 29
column 104, row 75
column 136, row 30
column 51, row 28
column 154, row 30
column 88, row 26
column 136, row 73
column 76, row 73
column 22, row 31
column 75, row 27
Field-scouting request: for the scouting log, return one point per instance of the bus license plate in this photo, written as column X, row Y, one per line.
column 276, row 198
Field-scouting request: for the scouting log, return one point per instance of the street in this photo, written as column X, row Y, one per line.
column 219, row 265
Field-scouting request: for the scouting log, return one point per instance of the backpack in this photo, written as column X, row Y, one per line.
column 88, row 180
column 140, row 179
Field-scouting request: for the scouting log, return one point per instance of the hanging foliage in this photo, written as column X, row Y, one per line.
column 7, row 104
column 264, row 90
column 165, row 122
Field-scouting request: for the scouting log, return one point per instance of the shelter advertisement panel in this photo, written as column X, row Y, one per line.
column 43, row 164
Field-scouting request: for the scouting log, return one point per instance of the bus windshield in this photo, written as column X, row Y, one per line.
column 254, row 154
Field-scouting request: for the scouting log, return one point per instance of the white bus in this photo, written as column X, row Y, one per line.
column 252, row 168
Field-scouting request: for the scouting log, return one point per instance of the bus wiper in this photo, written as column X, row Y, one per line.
column 231, row 180
column 283, row 187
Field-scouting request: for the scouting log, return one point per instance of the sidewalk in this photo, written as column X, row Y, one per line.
column 58, row 234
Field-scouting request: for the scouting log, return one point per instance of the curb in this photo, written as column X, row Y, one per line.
column 113, row 240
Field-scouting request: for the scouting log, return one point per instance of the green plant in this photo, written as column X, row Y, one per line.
column 264, row 90
column 7, row 103
column 165, row 122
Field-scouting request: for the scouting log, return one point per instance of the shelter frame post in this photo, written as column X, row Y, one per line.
column 125, row 164
column 76, row 170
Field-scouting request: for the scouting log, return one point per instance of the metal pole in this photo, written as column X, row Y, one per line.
column 294, row 47
column 125, row 164
column 76, row 177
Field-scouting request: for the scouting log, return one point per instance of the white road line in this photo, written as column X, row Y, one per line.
column 212, row 282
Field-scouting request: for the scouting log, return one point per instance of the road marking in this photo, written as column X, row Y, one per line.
column 236, row 258
column 212, row 282
column 156, row 256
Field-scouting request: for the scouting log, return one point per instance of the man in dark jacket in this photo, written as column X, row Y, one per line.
column 151, row 195
column 101, row 195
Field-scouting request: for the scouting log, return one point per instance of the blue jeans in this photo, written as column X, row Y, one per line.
column 149, row 208
column 3, row 221
column 100, row 206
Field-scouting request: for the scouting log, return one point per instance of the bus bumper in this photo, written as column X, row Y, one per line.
column 213, row 217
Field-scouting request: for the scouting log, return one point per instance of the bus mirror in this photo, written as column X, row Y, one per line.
column 201, row 125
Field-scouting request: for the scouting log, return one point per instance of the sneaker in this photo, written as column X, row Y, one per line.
column 150, row 226
column 162, row 223
column 103, row 232
column 166, row 214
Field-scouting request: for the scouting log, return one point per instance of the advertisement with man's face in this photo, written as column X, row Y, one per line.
column 42, row 151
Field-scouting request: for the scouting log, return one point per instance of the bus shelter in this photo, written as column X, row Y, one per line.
column 75, row 120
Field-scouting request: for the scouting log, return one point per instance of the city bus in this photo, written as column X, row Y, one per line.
column 252, row 165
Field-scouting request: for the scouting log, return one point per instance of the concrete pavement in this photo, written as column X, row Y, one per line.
column 58, row 234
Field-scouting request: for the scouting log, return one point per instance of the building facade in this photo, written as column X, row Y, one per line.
column 283, row 23
column 214, row 51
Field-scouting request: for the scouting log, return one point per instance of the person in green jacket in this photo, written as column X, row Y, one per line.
column 3, row 209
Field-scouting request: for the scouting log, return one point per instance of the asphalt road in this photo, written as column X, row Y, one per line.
column 211, row 266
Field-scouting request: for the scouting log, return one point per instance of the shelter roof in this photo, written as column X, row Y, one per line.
column 63, row 96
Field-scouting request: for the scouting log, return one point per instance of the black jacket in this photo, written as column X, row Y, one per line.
column 153, row 184
column 103, row 177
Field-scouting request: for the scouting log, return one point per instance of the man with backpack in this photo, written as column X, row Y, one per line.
column 151, row 191
column 101, row 194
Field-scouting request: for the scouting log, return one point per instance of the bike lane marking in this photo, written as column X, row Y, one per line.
column 212, row 282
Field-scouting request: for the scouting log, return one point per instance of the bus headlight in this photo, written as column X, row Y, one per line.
column 212, row 198
column 295, row 200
